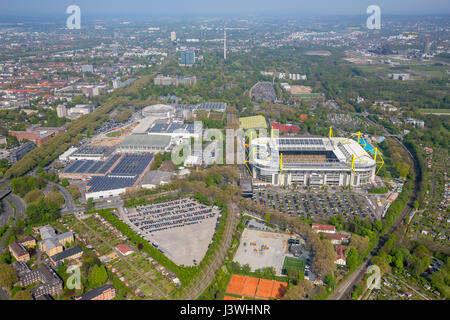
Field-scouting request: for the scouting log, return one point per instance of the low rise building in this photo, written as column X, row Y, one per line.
column 50, row 282
column 19, row 252
column 105, row 292
column 326, row 228
column 124, row 249
column 53, row 243
column 68, row 254
column 340, row 254
column 155, row 178
column 338, row 238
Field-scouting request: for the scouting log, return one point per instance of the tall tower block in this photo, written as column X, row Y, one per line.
column 224, row 43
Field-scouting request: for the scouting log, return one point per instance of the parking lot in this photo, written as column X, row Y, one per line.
column 319, row 206
column 182, row 229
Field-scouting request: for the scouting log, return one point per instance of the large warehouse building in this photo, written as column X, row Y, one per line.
column 311, row 161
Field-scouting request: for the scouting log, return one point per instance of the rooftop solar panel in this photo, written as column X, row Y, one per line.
column 108, row 164
column 97, row 165
column 110, row 183
column 72, row 167
column 83, row 168
column 132, row 165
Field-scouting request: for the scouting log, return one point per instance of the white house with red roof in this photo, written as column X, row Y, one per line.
column 124, row 249
column 340, row 254
column 326, row 228
column 338, row 238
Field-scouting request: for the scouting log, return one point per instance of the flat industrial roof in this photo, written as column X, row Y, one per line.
column 145, row 140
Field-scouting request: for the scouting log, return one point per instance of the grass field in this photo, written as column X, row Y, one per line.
column 114, row 134
column 293, row 263
column 436, row 111
column 308, row 95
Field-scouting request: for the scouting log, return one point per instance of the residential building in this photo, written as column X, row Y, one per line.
column 187, row 58
column 326, row 228
column 50, row 282
column 340, row 254
column 61, row 111
column 19, row 252
column 415, row 122
column 20, row 152
column 53, row 243
column 68, row 254
column 338, row 238
column 28, row 241
column 105, row 292
column 124, row 249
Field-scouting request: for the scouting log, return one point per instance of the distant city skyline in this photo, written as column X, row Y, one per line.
column 178, row 8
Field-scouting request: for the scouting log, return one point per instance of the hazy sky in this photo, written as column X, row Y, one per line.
column 36, row 8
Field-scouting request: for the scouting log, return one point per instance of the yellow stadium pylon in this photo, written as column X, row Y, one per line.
column 281, row 162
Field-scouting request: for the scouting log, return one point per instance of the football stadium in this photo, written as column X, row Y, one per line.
column 311, row 161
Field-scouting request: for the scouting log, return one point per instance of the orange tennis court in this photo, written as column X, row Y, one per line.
column 255, row 287
column 236, row 284
column 264, row 289
column 250, row 286
column 278, row 290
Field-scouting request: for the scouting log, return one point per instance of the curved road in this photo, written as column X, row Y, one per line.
column 205, row 279
column 343, row 292
column 8, row 210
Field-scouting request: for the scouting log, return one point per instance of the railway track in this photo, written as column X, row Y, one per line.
column 204, row 280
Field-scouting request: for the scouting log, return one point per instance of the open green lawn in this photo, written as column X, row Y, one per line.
column 294, row 263
column 435, row 111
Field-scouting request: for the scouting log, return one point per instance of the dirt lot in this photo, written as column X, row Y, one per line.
column 261, row 249
column 300, row 89
column 103, row 140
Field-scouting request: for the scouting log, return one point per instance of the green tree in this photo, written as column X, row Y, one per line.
column 98, row 276
column 23, row 295
column 33, row 196
column 246, row 268
column 64, row 182
column 8, row 276
column 299, row 291
column 352, row 259
column 398, row 261
column 292, row 274
column 74, row 191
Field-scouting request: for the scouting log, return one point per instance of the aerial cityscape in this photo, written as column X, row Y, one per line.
column 212, row 152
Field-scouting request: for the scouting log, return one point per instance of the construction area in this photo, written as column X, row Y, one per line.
column 261, row 249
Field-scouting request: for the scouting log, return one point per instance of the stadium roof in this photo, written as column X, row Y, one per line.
column 252, row 122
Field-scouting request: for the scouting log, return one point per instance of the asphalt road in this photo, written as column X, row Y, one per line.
column 7, row 212
column 343, row 292
column 3, row 295
column 69, row 205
